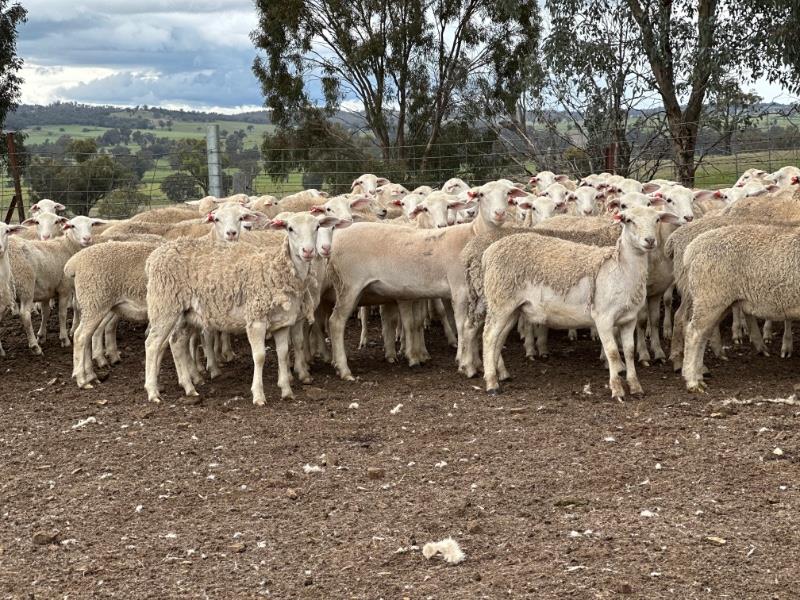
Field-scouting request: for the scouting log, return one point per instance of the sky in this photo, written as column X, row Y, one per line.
column 169, row 53
column 192, row 54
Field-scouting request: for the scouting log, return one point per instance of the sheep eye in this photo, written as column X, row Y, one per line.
column 623, row 206
column 291, row 230
column 669, row 201
column 328, row 209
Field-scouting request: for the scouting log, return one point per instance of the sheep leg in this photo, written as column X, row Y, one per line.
column 82, row 369
column 63, row 305
column 467, row 355
column 705, row 317
column 541, row 332
column 281, row 338
column 441, row 311
column 227, row 354
column 110, row 339
column 420, row 309
column 787, row 344
column 605, row 329
column 715, row 341
column 363, row 316
column 676, row 349
column 27, row 325
column 654, row 310
column 256, row 332
column 406, row 309
column 627, row 332
column 737, row 325
column 181, row 356
column 45, row 309
column 572, row 335
column 389, row 321
column 768, row 333
column 97, row 350
column 211, row 355
column 528, row 336
column 76, row 316
column 755, row 335
column 298, row 343
column 498, row 322
column 341, row 312
column 160, row 328
column 668, row 298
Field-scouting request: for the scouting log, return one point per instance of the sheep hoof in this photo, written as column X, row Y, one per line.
column 259, row 401
column 636, row 390
column 660, row 360
column 618, row 397
column 287, row 396
column 645, row 363
column 493, row 391
column 348, row 377
column 697, row 388
column 764, row 353
column 65, row 343
column 391, row 360
column 786, row 354
column 544, row 355
column 36, row 349
column 155, row 399
column 306, row 379
column 87, row 386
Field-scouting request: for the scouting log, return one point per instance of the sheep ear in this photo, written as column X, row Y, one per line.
column 67, row 225
column 328, row 221
column 657, row 200
column 59, row 206
column 417, row 209
column 192, row 202
column 561, row 178
column 96, row 222
column 382, row 181
column 277, row 224
column 397, row 202
column 317, row 209
column 649, row 188
column 516, row 193
column 29, row 222
column 35, row 208
column 14, row 229
column 617, row 217
column 524, row 204
column 343, row 223
column 703, row 194
column 323, row 194
column 253, row 217
column 460, row 204
column 355, row 183
column 772, row 187
column 360, row 202
column 667, row 217
column 613, row 204
column 210, row 217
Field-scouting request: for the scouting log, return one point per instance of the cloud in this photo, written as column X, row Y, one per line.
column 193, row 54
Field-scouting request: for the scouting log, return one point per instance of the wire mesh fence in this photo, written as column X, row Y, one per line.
column 117, row 184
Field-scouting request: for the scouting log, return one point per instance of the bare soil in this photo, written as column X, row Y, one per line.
column 546, row 487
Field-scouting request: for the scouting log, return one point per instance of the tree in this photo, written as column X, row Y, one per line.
column 120, row 203
column 410, row 65
column 77, row 185
column 180, row 187
column 11, row 17
column 688, row 43
column 730, row 111
column 81, row 150
column 190, row 155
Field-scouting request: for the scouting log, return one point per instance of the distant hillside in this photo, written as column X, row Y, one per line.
column 28, row 116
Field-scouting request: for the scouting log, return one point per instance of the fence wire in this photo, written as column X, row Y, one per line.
column 116, row 185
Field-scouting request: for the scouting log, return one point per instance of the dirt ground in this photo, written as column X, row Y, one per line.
column 551, row 489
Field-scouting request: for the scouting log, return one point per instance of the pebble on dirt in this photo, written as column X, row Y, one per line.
column 43, row 538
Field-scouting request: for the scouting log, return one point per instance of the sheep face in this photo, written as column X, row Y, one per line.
column 493, row 199
column 440, row 206
column 301, row 229
column 229, row 219
column 409, row 203
column 678, row 201
column 5, row 232
column 48, row 225
column 369, row 183
column 47, row 206
column 325, row 236
column 585, row 199
column 543, row 206
column 628, row 201
column 455, row 186
column 640, row 225
column 342, row 207
column 79, row 229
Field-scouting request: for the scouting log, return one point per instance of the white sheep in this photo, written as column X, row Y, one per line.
column 756, row 266
column 191, row 281
column 44, row 226
column 9, row 288
column 45, row 205
column 567, row 285
column 784, row 177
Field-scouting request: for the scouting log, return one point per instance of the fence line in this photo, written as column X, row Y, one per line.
column 109, row 184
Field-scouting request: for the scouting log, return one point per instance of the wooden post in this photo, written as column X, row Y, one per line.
column 17, row 199
column 611, row 158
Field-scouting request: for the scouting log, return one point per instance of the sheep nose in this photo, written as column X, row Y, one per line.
column 650, row 242
column 440, row 226
column 688, row 219
column 87, row 239
column 326, row 248
column 46, row 237
column 308, row 253
column 231, row 235
column 500, row 213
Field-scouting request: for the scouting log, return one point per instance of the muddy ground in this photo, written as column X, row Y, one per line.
column 552, row 492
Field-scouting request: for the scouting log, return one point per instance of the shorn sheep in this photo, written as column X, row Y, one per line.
column 189, row 281
column 8, row 287
column 566, row 285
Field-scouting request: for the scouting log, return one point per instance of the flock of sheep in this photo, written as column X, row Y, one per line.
column 604, row 253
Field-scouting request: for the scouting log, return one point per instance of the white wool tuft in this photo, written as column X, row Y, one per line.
column 308, row 469
column 448, row 548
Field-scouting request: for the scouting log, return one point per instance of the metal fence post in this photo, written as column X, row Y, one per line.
column 214, row 162
column 17, row 199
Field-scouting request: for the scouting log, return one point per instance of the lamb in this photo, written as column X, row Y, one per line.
column 368, row 184
column 188, row 281
column 751, row 175
column 567, row 285
column 376, row 263
column 46, row 261
column 586, row 201
column 387, row 197
column 755, row 266
column 45, row 205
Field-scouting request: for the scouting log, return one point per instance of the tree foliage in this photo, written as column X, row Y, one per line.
column 411, row 66
column 11, row 17
column 180, row 187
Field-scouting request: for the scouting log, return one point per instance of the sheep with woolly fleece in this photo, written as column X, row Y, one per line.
column 537, row 208
column 374, row 263
column 368, row 184
column 14, row 292
column 387, row 197
column 423, row 189
column 567, row 285
column 586, row 201
column 758, row 175
column 167, row 215
column 47, row 260
column 755, row 266
column 189, row 281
